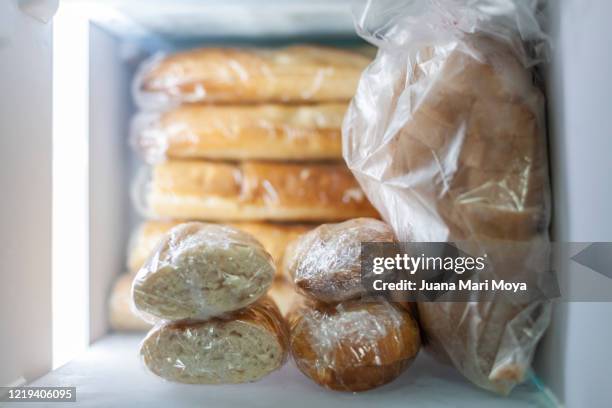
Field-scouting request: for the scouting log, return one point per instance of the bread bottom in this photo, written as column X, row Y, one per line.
column 212, row 352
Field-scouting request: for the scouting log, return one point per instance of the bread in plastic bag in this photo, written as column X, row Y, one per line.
column 353, row 346
column 299, row 73
column 325, row 263
column 243, row 347
column 446, row 135
column 273, row 236
column 202, row 270
column 251, row 191
column 241, row 132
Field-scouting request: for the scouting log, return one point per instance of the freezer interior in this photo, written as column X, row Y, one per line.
column 97, row 47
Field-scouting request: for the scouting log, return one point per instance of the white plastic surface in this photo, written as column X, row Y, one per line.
column 110, row 375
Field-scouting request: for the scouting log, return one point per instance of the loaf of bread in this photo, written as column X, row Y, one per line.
column 470, row 157
column 353, row 346
column 202, row 270
column 250, row 191
column 325, row 263
column 284, row 295
column 273, row 236
column 245, row 347
column 298, row 73
column 267, row 132
column 463, row 158
column 122, row 316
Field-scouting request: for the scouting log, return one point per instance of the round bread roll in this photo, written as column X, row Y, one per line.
column 200, row 271
column 247, row 346
column 353, row 346
column 325, row 263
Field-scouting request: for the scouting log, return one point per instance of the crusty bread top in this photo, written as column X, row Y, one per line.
column 295, row 73
column 266, row 184
column 325, row 263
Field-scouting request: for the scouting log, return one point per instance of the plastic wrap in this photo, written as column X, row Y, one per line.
column 298, row 73
column 245, row 346
column 273, row 236
column 202, row 270
column 121, row 314
column 353, row 346
column 325, row 263
column 446, row 135
column 267, row 132
column 250, row 191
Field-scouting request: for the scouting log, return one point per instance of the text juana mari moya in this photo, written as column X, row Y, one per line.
column 458, row 265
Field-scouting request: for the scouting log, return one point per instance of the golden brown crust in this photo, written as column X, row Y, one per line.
column 268, row 132
column 121, row 315
column 353, row 346
column 252, row 191
column 273, row 236
column 325, row 263
column 291, row 74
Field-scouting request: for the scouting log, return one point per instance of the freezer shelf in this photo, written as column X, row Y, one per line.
column 110, row 374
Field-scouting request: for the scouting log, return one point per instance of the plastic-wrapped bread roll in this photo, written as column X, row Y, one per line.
column 202, row 270
column 251, row 191
column 273, row 236
column 121, row 314
column 267, row 132
column 284, row 295
column 325, row 263
column 353, row 346
column 447, row 136
column 298, row 73
column 245, row 347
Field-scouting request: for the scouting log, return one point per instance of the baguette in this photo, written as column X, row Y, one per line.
column 245, row 347
column 325, row 263
column 353, row 346
column 252, row 191
column 273, row 236
column 298, row 73
column 200, row 271
column 268, row 132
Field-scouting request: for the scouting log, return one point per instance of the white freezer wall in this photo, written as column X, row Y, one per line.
column 576, row 356
column 109, row 172
column 25, row 182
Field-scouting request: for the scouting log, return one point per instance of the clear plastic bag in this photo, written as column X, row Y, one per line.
column 299, row 73
column 235, row 132
column 446, row 135
column 200, row 271
column 243, row 347
column 353, row 345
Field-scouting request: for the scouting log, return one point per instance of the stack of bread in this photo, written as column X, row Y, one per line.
column 204, row 285
column 249, row 139
column 338, row 339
